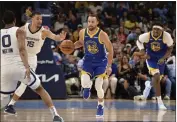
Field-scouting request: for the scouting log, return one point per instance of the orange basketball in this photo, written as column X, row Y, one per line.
column 67, row 46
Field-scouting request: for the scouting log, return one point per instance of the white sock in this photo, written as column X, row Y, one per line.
column 53, row 111
column 101, row 103
column 12, row 102
column 146, row 92
column 147, row 89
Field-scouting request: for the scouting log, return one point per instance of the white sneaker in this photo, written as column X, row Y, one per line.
column 161, row 106
column 139, row 97
column 153, row 98
column 166, row 98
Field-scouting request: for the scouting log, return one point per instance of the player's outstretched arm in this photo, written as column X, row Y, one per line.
column 20, row 34
column 105, row 39
column 80, row 42
column 47, row 33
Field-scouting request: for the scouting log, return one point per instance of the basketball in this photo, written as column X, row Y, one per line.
column 67, row 46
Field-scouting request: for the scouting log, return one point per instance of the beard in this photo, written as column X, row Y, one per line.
column 156, row 34
column 91, row 28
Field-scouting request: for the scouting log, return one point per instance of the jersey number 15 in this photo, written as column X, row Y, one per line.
column 30, row 43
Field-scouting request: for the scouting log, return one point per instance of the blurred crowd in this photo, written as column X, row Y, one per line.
column 123, row 22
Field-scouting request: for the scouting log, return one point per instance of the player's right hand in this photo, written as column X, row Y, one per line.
column 62, row 35
column 27, row 73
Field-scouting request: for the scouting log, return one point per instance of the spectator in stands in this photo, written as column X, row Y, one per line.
column 73, row 21
column 133, row 36
column 95, row 6
column 71, row 75
column 143, row 25
column 76, row 33
column 135, row 59
column 124, row 68
column 26, row 17
column 111, row 81
column 109, row 13
column 69, row 32
column 59, row 22
column 121, row 36
column 124, row 17
column 118, row 58
column 165, row 82
column 56, row 55
column 81, row 4
column 131, row 23
column 166, row 28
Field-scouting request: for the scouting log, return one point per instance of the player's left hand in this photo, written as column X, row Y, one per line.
column 62, row 35
column 161, row 61
column 108, row 70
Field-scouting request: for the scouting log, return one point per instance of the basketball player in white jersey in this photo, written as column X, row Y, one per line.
column 18, row 47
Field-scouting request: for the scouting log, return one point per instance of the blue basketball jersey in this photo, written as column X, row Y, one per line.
column 95, row 50
column 156, row 48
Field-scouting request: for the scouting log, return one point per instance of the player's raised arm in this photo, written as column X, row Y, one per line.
column 47, row 33
column 80, row 42
column 20, row 34
column 105, row 39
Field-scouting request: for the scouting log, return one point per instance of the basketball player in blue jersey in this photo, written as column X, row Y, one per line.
column 159, row 45
column 96, row 62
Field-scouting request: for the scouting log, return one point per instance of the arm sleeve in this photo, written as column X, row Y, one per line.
column 143, row 38
column 167, row 39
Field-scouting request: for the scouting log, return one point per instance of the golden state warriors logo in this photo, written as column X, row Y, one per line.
column 92, row 47
column 155, row 46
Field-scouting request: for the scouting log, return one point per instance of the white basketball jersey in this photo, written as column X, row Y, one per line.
column 9, row 46
column 34, row 41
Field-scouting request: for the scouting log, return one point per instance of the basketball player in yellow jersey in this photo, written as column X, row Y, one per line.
column 34, row 35
column 96, row 61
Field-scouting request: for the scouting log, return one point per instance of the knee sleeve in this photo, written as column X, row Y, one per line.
column 113, row 83
column 4, row 100
column 20, row 90
column 85, row 81
column 105, row 84
column 99, row 87
column 34, row 82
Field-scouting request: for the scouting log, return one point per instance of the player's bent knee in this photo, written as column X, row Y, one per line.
column 35, row 84
column 85, row 81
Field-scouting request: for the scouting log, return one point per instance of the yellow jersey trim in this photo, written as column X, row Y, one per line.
column 156, row 38
column 99, row 38
column 92, row 35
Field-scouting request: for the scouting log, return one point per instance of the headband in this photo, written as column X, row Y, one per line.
column 157, row 26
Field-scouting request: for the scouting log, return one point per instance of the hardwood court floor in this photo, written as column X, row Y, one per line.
column 80, row 110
